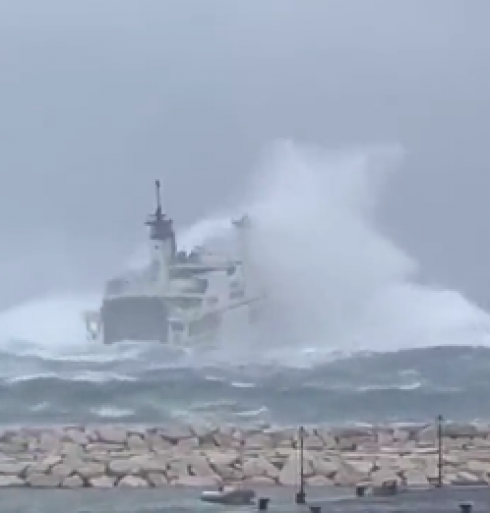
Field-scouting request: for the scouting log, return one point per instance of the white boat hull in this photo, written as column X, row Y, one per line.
column 236, row 497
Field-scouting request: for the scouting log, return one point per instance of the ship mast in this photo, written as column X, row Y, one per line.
column 162, row 241
column 158, row 212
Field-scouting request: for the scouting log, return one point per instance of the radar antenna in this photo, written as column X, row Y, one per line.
column 160, row 225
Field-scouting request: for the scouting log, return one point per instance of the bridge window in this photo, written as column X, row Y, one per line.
column 181, row 273
column 185, row 302
column 177, row 326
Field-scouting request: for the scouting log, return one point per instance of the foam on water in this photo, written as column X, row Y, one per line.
column 50, row 322
column 336, row 285
column 52, row 328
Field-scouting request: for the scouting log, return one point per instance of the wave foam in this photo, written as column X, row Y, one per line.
column 336, row 281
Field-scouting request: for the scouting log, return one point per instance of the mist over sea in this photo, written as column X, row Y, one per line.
column 350, row 333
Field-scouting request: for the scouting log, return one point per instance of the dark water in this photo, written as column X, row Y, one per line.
column 187, row 501
column 150, row 384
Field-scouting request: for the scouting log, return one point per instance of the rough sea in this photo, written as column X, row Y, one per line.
column 156, row 386
column 351, row 336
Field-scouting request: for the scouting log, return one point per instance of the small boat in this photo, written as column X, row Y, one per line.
column 235, row 496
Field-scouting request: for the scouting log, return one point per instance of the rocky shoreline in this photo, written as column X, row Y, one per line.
column 125, row 456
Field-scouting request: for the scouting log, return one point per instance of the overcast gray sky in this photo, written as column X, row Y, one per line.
column 97, row 98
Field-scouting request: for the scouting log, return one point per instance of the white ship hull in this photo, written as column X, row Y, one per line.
column 179, row 330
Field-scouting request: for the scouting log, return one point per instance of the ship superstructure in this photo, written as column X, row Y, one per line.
column 179, row 298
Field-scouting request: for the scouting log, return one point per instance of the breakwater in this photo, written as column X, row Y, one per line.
column 127, row 456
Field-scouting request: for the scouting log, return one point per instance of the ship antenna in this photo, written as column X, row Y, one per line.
column 158, row 213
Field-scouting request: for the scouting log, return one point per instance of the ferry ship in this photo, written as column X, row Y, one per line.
column 179, row 298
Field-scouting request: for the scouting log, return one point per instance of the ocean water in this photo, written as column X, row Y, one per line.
column 153, row 386
column 349, row 335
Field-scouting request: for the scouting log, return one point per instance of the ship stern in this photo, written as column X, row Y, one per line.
column 134, row 318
